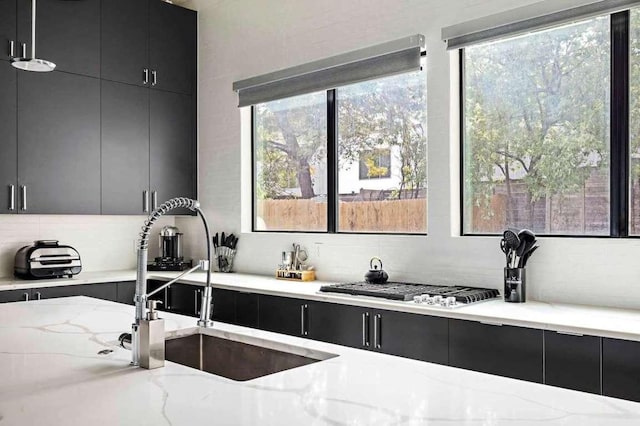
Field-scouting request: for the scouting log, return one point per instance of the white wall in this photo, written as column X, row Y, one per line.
column 244, row 38
column 104, row 242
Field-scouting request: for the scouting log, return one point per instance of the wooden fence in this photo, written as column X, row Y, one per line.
column 408, row 216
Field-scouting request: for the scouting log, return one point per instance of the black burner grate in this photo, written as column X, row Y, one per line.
column 406, row 291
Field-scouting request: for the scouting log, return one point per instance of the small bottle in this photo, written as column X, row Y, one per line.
column 152, row 338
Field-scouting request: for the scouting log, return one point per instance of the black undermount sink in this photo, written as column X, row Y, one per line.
column 237, row 360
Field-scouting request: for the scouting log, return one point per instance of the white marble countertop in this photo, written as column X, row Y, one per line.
column 574, row 319
column 52, row 374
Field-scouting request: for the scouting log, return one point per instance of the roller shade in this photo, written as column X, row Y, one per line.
column 536, row 16
column 382, row 60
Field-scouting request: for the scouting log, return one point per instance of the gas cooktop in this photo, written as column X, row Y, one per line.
column 440, row 295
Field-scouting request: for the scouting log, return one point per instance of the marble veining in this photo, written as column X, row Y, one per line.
column 53, row 373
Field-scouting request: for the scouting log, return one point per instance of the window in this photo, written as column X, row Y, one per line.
column 290, row 192
column 634, row 123
column 537, row 125
column 372, row 135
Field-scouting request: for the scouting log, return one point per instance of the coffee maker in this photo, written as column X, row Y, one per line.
column 170, row 245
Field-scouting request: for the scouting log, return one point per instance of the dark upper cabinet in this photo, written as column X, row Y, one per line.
column 572, row 362
column 413, row 336
column 8, row 140
column 172, row 47
column 67, row 33
column 621, row 369
column 282, row 315
column 172, row 147
column 340, row 324
column 125, row 41
column 502, row 350
column 7, row 28
column 59, row 140
column 125, row 149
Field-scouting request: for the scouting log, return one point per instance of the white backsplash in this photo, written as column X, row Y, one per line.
column 104, row 242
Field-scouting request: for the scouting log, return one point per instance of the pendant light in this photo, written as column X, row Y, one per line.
column 32, row 63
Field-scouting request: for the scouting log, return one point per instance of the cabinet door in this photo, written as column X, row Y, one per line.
column 572, row 362
column 185, row 299
column 7, row 28
column 247, row 309
column 411, row 336
column 172, row 47
column 162, row 296
column 59, row 142
column 8, row 140
column 125, row 292
column 172, row 150
column 106, row 291
column 340, row 324
column 125, row 149
column 502, row 350
column 621, row 369
column 125, row 41
column 224, row 305
column 282, row 315
column 67, row 34
column 15, row 295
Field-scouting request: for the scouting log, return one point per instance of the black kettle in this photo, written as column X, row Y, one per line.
column 376, row 275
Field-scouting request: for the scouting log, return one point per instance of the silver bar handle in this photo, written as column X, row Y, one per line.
column 12, row 48
column 145, row 76
column 154, row 199
column 303, row 320
column 145, row 201
column 12, row 197
column 38, row 295
column 26, row 297
column 24, row 49
column 23, row 207
column 365, row 329
column 154, row 77
column 195, row 302
column 377, row 341
column 166, row 298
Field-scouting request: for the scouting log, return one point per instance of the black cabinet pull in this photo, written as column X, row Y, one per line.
column 377, row 335
column 365, row 329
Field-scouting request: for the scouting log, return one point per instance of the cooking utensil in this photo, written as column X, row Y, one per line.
column 512, row 241
column 375, row 275
column 527, row 255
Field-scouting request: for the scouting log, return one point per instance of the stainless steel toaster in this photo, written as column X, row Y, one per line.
column 47, row 259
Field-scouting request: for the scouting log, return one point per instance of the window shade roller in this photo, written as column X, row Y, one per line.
column 536, row 16
column 382, row 60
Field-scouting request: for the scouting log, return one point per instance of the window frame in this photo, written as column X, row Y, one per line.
column 333, row 211
column 619, row 187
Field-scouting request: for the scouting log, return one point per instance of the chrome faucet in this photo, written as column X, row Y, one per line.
column 141, row 294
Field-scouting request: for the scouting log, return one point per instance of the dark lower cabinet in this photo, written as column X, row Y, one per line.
column 621, row 369
column 340, row 324
column 185, row 299
column 162, row 295
column 283, row 315
column 8, row 296
column 8, row 140
column 420, row 337
column 572, row 362
column 125, row 292
column 7, row 28
column 106, row 291
column 508, row 351
column 224, row 305
column 247, row 309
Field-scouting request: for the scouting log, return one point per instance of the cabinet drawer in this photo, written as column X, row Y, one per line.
column 572, row 362
column 107, row 291
column 621, row 369
column 502, row 350
column 15, row 296
column 281, row 315
column 340, row 324
column 224, row 305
